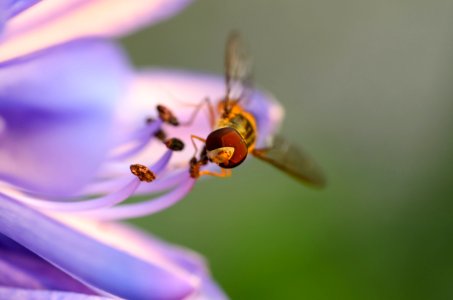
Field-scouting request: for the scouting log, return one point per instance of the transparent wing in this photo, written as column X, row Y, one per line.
column 238, row 69
column 293, row 161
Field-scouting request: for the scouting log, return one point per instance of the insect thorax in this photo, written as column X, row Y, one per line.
column 244, row 123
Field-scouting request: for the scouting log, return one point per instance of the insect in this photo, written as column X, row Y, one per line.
column 234, row 133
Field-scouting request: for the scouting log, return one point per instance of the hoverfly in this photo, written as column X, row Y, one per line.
column 234, row 134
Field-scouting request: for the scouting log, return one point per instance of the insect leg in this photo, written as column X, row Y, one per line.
column 205, row 101
column 193, row 138
column 196, row 164
column 222, row 173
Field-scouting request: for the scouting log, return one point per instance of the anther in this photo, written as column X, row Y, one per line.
column 174, row 144
column 142, row 172
column 150, row 120
column 167, row 115
column 160, row 135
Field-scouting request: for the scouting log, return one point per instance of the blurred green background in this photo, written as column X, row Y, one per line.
column 368, row 89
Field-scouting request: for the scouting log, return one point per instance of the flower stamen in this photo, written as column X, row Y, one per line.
column 145, row 208
column 174, row 144
column 105, row 201
column 142, row 172
column 167, row 116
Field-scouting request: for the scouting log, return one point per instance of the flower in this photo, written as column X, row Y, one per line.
column 73, row 117
column 40, row 24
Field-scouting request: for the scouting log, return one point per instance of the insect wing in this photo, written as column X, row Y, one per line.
column 238, row 68
column 293, row 161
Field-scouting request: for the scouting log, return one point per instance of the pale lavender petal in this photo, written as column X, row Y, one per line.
column 268, row 113
column 193, row 263
column 4, row 5
column 56, row 113
column 93, row 261
column 27, row 294
column 14, row 7
column 55, row 21
column 142, row 138
column 152, row 247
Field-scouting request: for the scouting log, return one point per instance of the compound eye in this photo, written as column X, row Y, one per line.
column 228, row 137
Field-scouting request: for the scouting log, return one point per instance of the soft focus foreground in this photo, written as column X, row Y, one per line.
column 367, row 88
column 58, row 104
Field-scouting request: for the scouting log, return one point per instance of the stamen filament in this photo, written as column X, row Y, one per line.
column 145, row 208
column 100, row 202
column 143, row 136
column 163, row 184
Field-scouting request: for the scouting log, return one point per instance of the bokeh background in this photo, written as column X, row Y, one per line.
column 368, row 89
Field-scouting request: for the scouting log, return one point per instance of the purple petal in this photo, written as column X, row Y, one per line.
column 23, row 294
column 55, row 21
column 3, row 14
column 114, row 265
column 20, row 268
column 14, row 7
column 56, row 112
column 186, row 259
column 191, row 262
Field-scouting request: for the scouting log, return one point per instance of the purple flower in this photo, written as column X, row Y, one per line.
column 50, row 22
column 73, row 117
